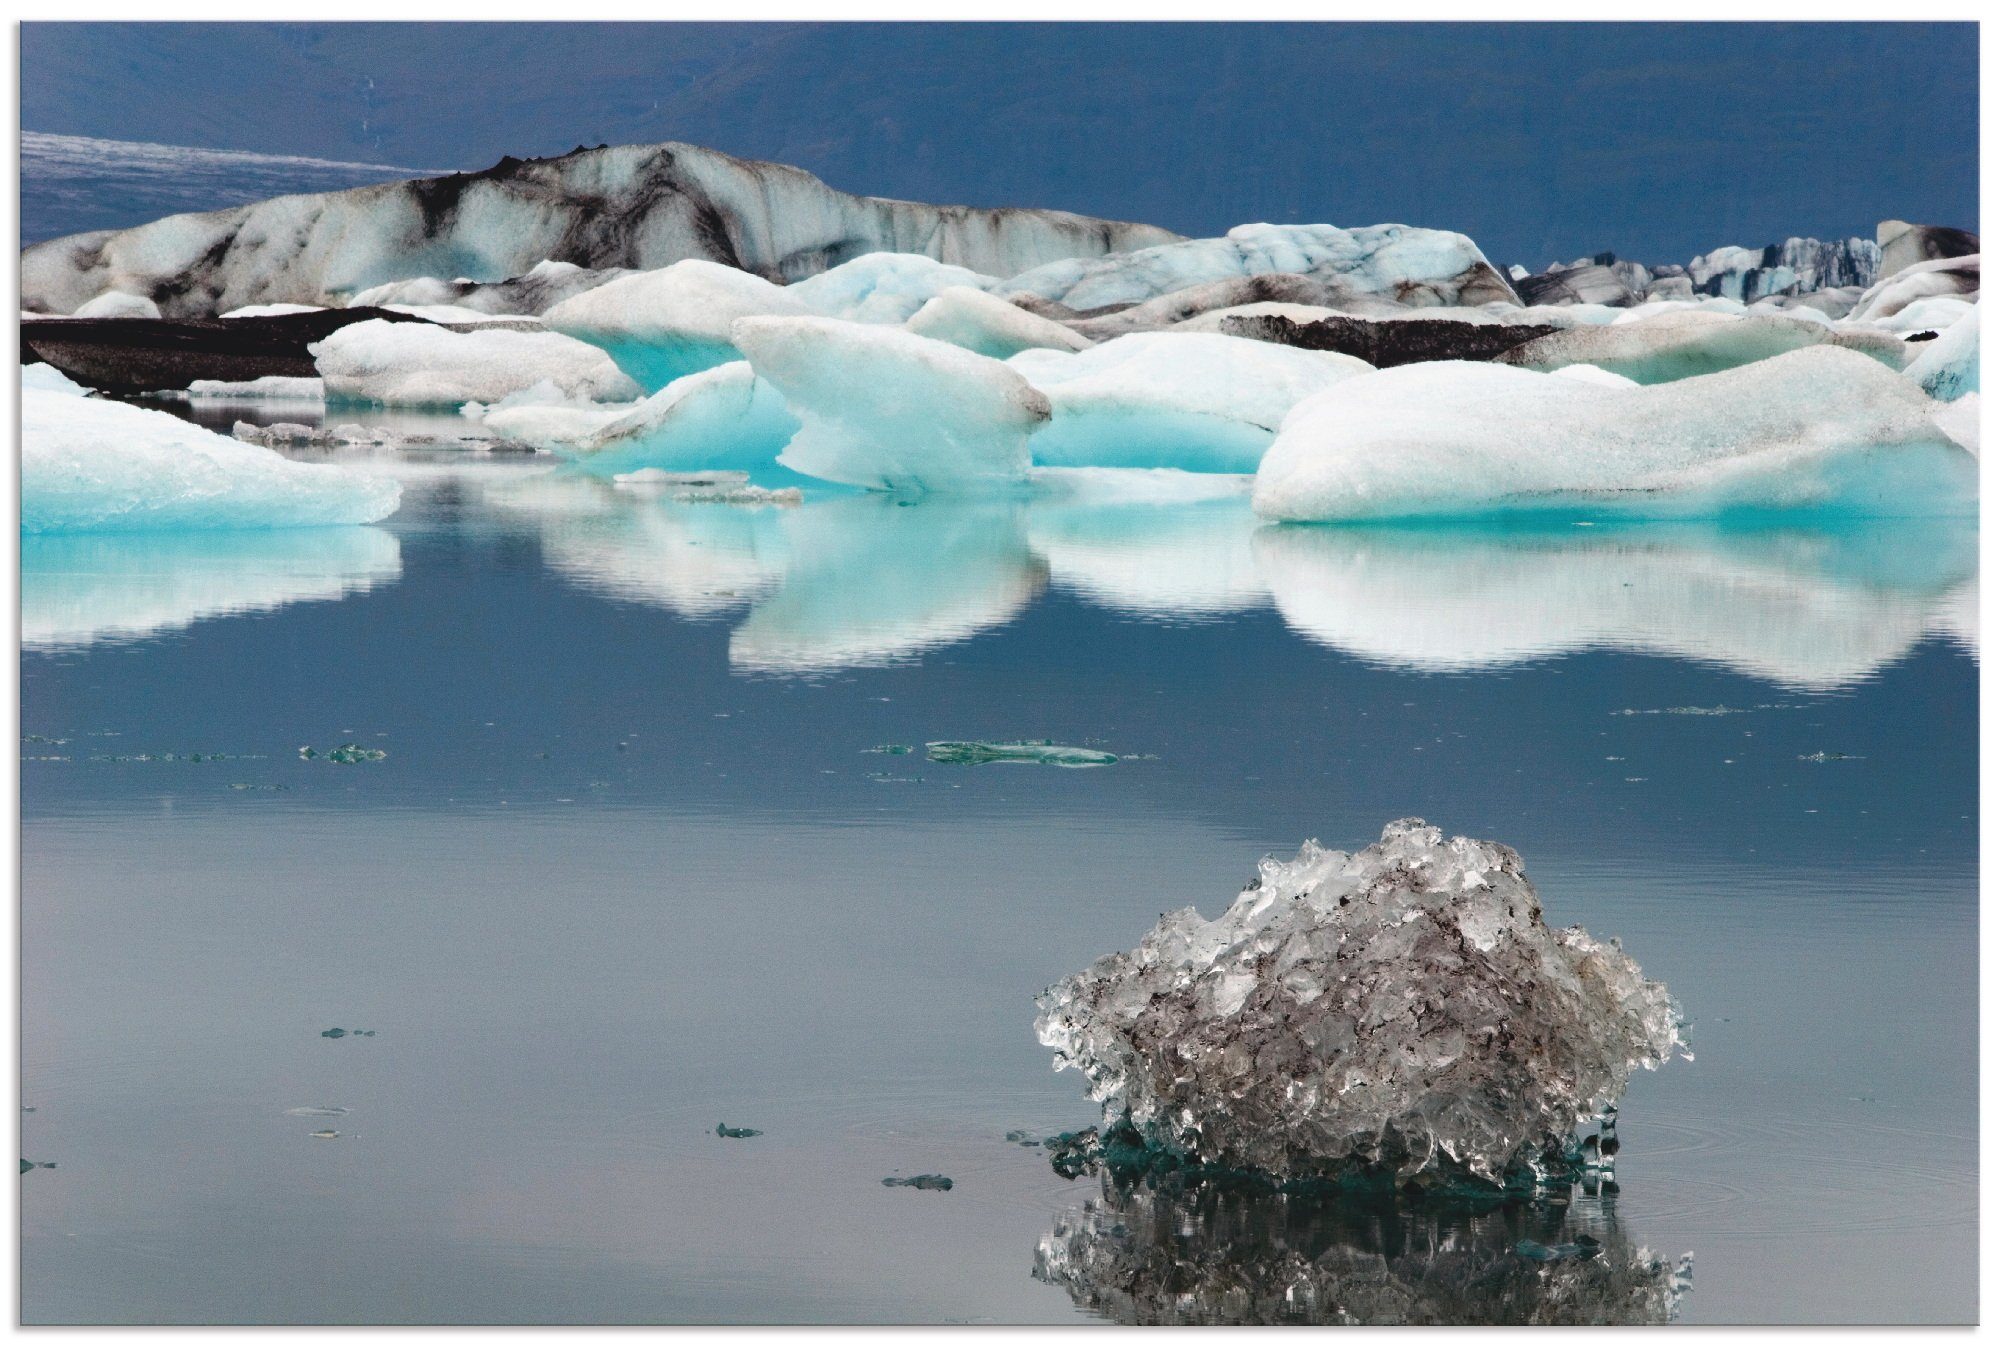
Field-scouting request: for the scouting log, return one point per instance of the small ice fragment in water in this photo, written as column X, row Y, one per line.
column 326, row 1135
column 346, row 754
column 1025, row 1139
column 1047, row 752
column 923, row 1182
column 1399, row 1013
column 346, row 1032
column 316, row 1112
column 892, row 749
column 27, row 1164
column 1830, row 757
column 735, row 1132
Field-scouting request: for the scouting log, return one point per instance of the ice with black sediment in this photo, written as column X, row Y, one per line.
column 1402, row 1011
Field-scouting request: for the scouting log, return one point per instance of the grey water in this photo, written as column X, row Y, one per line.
column 629, row 870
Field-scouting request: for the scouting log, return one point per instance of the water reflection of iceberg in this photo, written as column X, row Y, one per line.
column 698, row 560
column 1186, row 561
column 1812, row 608
column 1204, row 1255
column 77, row 589
column 872, row 580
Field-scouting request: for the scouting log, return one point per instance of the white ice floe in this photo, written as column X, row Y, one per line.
column 1819, row 428
column 81, row 588
column 419, row 364
column 725, row 417
column 1951, row 276
column 1402, row 1011
column 660, row 325
column 1685, row 343
column 48, row 379
column 271, row 310
column 1199, row 401
column 979, row 322
column 883, row 287
column 1411, row 266
column 889, row 410
column 118, row 304
column 1948, row 367
column 271, row 388
column 89, row 465
column 1932, row 313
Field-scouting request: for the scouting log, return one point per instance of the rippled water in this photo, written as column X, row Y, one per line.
column 628, row 871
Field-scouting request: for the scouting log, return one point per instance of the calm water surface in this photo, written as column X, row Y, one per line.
column 628, row 870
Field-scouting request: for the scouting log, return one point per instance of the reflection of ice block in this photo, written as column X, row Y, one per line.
column 1819, row 429
column 1399, row 1012
column 1199, row 401
column 1203, row 1255
column 89, row 465
column 871, row 583
column 1813, row 608
column 694, row 559
column 77, row 589
column 1190, row 561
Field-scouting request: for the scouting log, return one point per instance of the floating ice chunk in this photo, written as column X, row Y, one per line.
column 1933, row 313
column 725, row 417
column 1046, row 752
column 883, row 287
column 552, row 425
column 728, row 1132
column 1399, row 1011
column 118, row 304
column 271, row 387
column 661, row 325
column 1603, row 378
column 1819, row 428
column 1948, row 368
column 1817, row 608
column 1686, row 343
column 1167, row 1253
column 1199, row 401
column 1940, row 276
column 418, row 364
column 1411, row 266
column 89, row 465
column 48, row 379
column 985, row 325
column 270, row 310
column 81, row 588
column 889, row 410
column 709, row 488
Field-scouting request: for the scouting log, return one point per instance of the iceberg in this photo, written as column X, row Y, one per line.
column 1415, row 267
column 95, row 466
column 1685, row 343
column 419, row 364
column 640, row 207
column 974, row 319
column 1400, row 1014
column 883, row 287
column 1904, row 244
column 1944, row 276
column 118, row 304
column 1948, row 368
column 662, row 325
column 1814, row 429
column 79, row 589
column 1168, row 1253
column 889, row 410
column 1198, row 401
column 725, row 417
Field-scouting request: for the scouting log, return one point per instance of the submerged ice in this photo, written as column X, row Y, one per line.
column 1400, row 1011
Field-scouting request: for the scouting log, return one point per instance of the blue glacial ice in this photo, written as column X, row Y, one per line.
column 886, row 409
column 981, row 323
column 661, row 325
column 94, row 466
column 1948, row 368
column 1814, row 429
column 721, row 418
column 1198, row 401
column 420, row 364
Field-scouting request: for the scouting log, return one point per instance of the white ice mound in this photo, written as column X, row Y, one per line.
column 1418, row 267
column 1943, row 276
column 886, row 409
column 885, row 287
column 1685, row 343
column 118, row 304
column 96, row 466
column 49, row 379
column 1948, row 368
column 660, row 325
column 1819, row 428
column 725, row 418
column 985, row 325
column 418, row 364
column 1401, row 1010
column 1200, row 401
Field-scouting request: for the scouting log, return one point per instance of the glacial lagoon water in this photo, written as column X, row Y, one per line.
column 629, row 870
